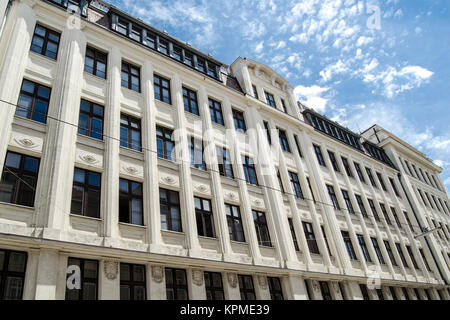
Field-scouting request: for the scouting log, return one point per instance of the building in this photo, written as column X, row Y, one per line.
column 135, row 166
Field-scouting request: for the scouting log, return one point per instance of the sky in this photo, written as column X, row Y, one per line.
column 359, row 62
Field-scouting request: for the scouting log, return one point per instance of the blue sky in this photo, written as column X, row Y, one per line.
column 341, row 59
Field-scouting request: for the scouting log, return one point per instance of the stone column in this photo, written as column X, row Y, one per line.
column 297, row 287
column 315, row 292
column 196, row 280
column 231, row 286
column 261, row 287
column 156, row 284
column 335, row 290
column 47, row 275
column 354, row 291
column 29, row 287
column 109, row 280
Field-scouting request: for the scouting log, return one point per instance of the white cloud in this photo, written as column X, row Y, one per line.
column 312, row 96
column 259, row 47
column 362, row 41
column 333, row 69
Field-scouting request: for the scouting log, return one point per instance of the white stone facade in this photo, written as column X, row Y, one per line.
column 49, row 234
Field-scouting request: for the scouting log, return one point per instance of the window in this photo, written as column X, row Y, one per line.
column 164, row 143
column 12, row 274
column 190, row 101
column 390, row 253
column 86, row 193
column 341, row 288
column 298, row 146
column 255, row 92
column 169, row 204
column 162, row 89
column 364, row 291
column 262, row 230
column 150, row 40
column 333, row 197
column 411, row 255
column 326, row 240
column 405, row 293
column 130, row 202
column 122, row 26
column 215, row 110
column 213, row 286
column 319, row 155
column 408, row 221
column 249, row 170
column 176, row 284
column 380, row 294
column 163, row 46
column 33, row 101
column 234, row 222
column 196, row 153
column 359, row 172
column 396, row 217
column 427, row 292
column 276, row 291
column 90, row 120
column 284, row 140
column 19, row 179
column 348, row 203
column 130, row 132
column 266, row 127
column 283, row 105
column 45, row 42
column 296, row 185
column 132, row 282
column 362, row 244
column 239, row 121
column 349, row 245
column 310, row 237
column 294, row 237
column 176, row 53
column 423, row 199
column 394, row 187
column 212, row 69
column 424, row 259
column 200, row 64
column 361, row 206
column 333, row 161
column 270, row 99
column 246, row 287
column 347, row 167
column 393, row 293
column 204, row 217
column 88, row 279
column 372, row 180
column 95, row 62
column 377, row 250
column 385, row 214
column 223, row 159
column 374, row 210
column 416, row 292
column 325, row 290
column 188, row 58
column 131, row 77
column 380, row 179
column 415, row 170
column 402, row 256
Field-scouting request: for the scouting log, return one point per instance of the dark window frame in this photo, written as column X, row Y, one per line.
column 97, row 56
column 223, row 160
column 211, row 289
column 174, row 285
column 35, row 98
column 295, row 182
column 84, row 279
column 333, row 197
column 162, row 134
column 194, row 153
column 215, row 111
column 249, row 170
column 201, row 214
column 88, row 188
column 270, row 99
column 318, row 152
column 261, row 228
column 377, row 249
column 46, row 39
column 363, row 246
column 131, row 197
column 169, row 203
column 131, row 122
column 349, row 245
column 160, row 86
column 310, row 237
column 284, row 142
column 246, row 291
column 91, row 132
column 333, row 161
column 347, row 201
column 128, row 69
column 275, row 288
column 132, row 283
column 190, row 101
column 232, row 218
column 5, row 273
column 293, row 234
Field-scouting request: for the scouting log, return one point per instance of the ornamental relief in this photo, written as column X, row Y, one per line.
column 197, row 277
column 111, row 269
column 202, row 188
column 315, row 285
column 169, row 180
column 157, row 274
column 232, row 279
column 262, row 281
column 130, row 170
column 26, row 142
column 88, row 158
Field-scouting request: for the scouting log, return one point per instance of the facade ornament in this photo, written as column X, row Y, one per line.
column 169, row 180
column 257, row 202
column 315, row 285
column 25, row 142
column 111, row 269
column 262, row 281
column 232, row 279
column 157, row 274
column 202, row 188
column 231, row 195
column 197, row 277
column 131, row 170
column 88, row 158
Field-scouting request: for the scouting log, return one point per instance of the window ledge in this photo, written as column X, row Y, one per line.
column 95, row 78
column 43, row 57
column 126, row 224
column 19, row 207
column 77, row 216
column 92, row 142
column 30, row 124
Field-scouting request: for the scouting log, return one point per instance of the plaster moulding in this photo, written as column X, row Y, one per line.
column 232, row 279
column 202, row 188
column 262, row 281
column 169, row 180
column 131, row 170
column 157, row 274
column 88, row 158
column 111, row 269
column 197, row 277
column 26, row 143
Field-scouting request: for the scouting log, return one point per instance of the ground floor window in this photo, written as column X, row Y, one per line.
column 12, row 274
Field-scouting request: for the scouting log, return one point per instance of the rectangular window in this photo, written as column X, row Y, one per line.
column 361, row 206
column 196, row 153
column 33, row 101
column 162, row 89
column 130, row 132
column 239, row 121
column 405, row 293
column 131, row 77
column 169, row 204
column 325, row 290
column 402, row 256
column 163, row 46
column 19, row 179
column 90, row 120
column 215, row 110
column 333, row 161
column 347, row 167
column 310, row 237
column 262, row 230
column 284, row 143
column 377, row 250
column 246, row 287
column 424, row 259
column 211, row 69
column 294, row 237
column 249, row 170
column 255, row 92
column 234, row 222
column 372, row 180
column 213, row 285
column 411, row 255
column 88, row 289
column 86, row 193
column 275, row 289
column 394, row 213
column 176, row 284
column 390, row 253
column 176, row 53
column 349, row 245
column 348, row 203
column 333, row 197
column 394, row 187
column 359, row 172
column 200, row 64
column 310, row 189
column 380, row 179
column 385, row 214
column 45, row 42
column 325, row 238
column 296, row 185
column 224, row 161
column 12, row 274
column 298, row 146
column 319, row 155
column 130, row 202
column 122, row 26
column 164, row 143
column 364, row 291
column 204, row 217
column 188, row 58
column 266, row 127
column 416, row 292
column 150, row 40
column 95, row 62
column 270, row 99
column 408, row 221
column 283, row 105
column 362, row 244
column 190, row 101
column 374, row 210
column 132, row 282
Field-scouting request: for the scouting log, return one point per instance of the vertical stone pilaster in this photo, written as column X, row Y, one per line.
column 109, row 280
column 47, row 275
column 354, row 290
column 231, row 286
column 156, row 284
column 296, row 286
column 261, row 287
column 196, row 285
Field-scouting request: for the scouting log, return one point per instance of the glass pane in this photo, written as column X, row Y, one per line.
column 90, row 269
column 94, row 179
column 13, row 160
column 139, row 273
column 24, row 106
column 181, row 294
column 124, row 292
column 139, row 293
column 197, row 202
column 78, row 175
column 169, row 278
column 83, row 124
column 170, row 294
column 180, row 277
column 136, row 139
column 77, row 200
column 17, row 262
column 2, row 259
column 97, row 128
column 31, row 164
column 89, row 291
column 136, row 212
column 174, row 197
column 206, row 205
column 13, row 288
column 98, row 110
column 217, row 280
column 37, row 44
column 136, row 188
column 124, row 137
column 123, row 185
column 26, row 191
column 40, row 111
column 124, row 272
column 93, row 208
